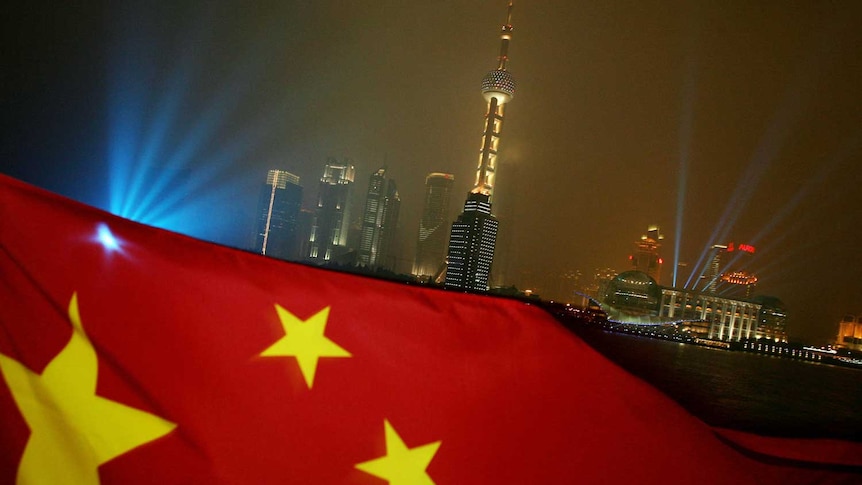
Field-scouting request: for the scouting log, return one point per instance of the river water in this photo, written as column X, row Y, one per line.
column 752, row 392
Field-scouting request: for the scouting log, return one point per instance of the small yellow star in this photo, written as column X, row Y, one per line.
column 400, row 465
column 72, row 430
column 305, row 341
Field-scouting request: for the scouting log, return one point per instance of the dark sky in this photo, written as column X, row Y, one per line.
column 754, row 105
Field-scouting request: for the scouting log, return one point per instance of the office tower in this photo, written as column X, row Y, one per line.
column 387, row 255
column 646, row 257
column 329, row 229
column 432, row 238
column 278, row 209
column 304, row 222
column 379, row 221
column 772, row 319
column 471, row 245
column 473, row 237
column 713, row 272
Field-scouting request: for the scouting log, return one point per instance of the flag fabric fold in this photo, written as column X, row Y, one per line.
column 214, row 365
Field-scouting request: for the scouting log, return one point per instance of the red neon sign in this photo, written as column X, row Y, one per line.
column 748, row 248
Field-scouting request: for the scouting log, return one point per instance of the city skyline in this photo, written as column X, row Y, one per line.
column 745, row 115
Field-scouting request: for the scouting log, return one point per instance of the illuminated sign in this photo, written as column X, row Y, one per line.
column 748, row 248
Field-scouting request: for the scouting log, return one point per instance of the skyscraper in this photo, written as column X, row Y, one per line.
column 714, row 269
column 379, row 221
column 332, row 215
column 431, row 241
column 278, row 209
column 471, row 245
column 646, row 257
column 474, row 235
column 388, row 252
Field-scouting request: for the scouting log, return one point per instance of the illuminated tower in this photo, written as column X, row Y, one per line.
column 328, row 237
column 431, row 243
column 278, row 210
column 474, row 235
column 646, row 257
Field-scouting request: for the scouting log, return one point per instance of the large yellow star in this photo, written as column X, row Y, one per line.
column 400, row 465
column 305, row 341
column 72, row 430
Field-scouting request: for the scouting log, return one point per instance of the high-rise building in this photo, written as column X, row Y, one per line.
column 471, row 253
column 331, row 223
column 387, row 255
column 772, row 319
column 471, row 245
column 713, row 271
column 431, row 242
column 276, row 232
column 646, row 256
column 379, row 222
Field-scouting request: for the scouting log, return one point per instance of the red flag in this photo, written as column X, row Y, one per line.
column 133, row 355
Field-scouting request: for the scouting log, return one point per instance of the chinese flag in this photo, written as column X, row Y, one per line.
column 131, row 354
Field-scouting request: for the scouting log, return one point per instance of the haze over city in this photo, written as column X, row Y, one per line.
column 738, row 121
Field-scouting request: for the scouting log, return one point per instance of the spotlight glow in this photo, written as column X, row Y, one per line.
column 172, row 139
column 106, row 238
column 685, row 128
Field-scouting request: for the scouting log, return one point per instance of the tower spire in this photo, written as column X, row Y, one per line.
column 498, row 87
column 505, row 37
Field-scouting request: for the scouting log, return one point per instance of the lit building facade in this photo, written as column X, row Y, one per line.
column 635, row 297
column 331, row 221
column 646, row 257
column 850, row 332
column 725, row 318
column 471, row 245
column 276, row 233
column 498, row 88
column 432, row 238
column 772, row 319
column 379, row 221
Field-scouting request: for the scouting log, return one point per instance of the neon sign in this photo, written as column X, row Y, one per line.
column 748, row 248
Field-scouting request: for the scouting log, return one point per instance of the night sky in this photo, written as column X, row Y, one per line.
column 745, row 115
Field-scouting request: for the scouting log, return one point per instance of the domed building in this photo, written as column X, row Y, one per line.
column 633, row 292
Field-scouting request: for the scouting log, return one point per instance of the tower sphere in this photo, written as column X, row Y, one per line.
column 499, row 84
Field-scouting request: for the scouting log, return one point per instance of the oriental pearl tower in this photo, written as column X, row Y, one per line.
column 473, row 238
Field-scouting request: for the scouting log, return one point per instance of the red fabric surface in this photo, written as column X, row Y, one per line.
column 179, row 324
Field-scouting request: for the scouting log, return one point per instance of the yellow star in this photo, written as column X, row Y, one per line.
column 72, row 430
column 401, row 466
column 305, row 341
